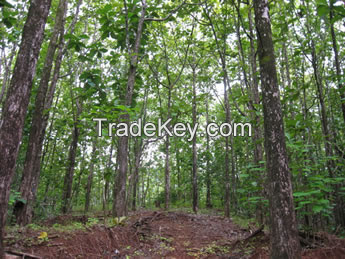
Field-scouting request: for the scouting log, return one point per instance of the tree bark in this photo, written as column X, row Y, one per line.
column 17, row 101
column 72, row 153
column 138, row 154
column 257, row 136
column 208, row 171
column 119, row 205
column 167, row 158
column 195, row 158
column 138, row 144
column 90, row 177
column 76, row 187
column 336, row 59
column 106, row 177
column 31, row 170
column 227, row 171
column 284, row 234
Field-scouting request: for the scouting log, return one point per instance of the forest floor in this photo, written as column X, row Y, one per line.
column 153, row 234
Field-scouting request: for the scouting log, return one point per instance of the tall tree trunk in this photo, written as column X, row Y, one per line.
column 337, row 63
column 195, row 158
column 221, row 51
column 76, row 189
column 208, row 171
column 50, row 160
column 119, row 205
column 90, row 177
column 167, row 158
column 130, row 182
column 106, row 177
column 138, row 143
column 284, row 234
column 72, row 153
column 227, row 171
column 31, row 170
column 178, row 161
column 257, row 136
column 328, row 140
column 170, row 85
column 323, row 111
column 17, row 101
column 138, row 154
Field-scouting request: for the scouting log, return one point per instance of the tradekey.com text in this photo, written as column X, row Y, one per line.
column 137, row 129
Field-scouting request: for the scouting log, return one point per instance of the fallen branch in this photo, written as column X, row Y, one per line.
column 22, row 255
column 259, row 230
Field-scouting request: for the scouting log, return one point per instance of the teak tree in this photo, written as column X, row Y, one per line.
column 284, row 234
column 31, row 170
column 17, row 101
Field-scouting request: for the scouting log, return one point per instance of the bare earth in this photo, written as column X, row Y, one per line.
column 158, row 234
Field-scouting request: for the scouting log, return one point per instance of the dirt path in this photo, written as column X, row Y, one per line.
column 148, row 234
column 183, row 235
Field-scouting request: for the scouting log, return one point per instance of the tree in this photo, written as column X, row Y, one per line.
column 284, row 235
column 31, row 170
column 17, row 101
column 221, row 49
column 119, row 205
column 72, row 154
column 193, row 65
column 90, row 176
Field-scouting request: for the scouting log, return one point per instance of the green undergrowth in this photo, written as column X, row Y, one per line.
column 70, row 226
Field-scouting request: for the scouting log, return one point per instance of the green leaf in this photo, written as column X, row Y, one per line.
column 323, row 10
column 4, row 3
column 340, row 10
column 317, row 208
column 22, row 200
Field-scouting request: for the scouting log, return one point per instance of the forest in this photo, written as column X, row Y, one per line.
column 172, row 129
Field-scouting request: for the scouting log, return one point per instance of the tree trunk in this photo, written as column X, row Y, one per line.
column 284, row 234
column 90, row 177
column 337, row 63
column 138, row 153
column 76, row 189
column 178, row 161
column 17, row 101
column 227, row 171
column 106, row 178
column 138, row 142
column 68, row 180
column 195, row 158
column 31, row 170
column 328, row 140
column 221, row 51
column 119, row 205
column 257, row 136
column 208, row 173
column 167, row 157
